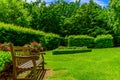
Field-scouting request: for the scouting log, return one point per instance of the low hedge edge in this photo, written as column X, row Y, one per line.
column 68, row 51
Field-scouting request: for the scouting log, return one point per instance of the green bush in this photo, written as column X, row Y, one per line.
column 70, row 51
column 5, row 57
column 116, row 40
column 74, row 47
column 64, row 41
column 20, row 36
column 80, row 40
column 104, row 41
column 52, row 41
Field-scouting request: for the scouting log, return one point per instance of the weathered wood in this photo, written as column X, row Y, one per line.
column 29, row 64
column 23, row 60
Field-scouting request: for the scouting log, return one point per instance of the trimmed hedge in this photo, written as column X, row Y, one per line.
column 80, row 40
column 20, row 36
column 70, row 51
column 52, row 41
column 104, row 41
column 5, row 57
column 64, row 41
column 116, row 40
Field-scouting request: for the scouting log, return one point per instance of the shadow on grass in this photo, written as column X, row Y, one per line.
column 8, row 75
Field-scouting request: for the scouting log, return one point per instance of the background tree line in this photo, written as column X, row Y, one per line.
column 63, row 18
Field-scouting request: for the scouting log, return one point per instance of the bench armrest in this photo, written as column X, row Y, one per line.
column 42, row 53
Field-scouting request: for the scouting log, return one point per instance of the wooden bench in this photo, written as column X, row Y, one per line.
column 22, row 60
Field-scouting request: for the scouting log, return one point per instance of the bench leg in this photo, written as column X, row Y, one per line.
column 43, row 65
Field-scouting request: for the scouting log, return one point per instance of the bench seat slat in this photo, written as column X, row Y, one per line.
column 29, row 64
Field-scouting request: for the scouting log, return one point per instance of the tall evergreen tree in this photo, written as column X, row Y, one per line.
column 114, row 15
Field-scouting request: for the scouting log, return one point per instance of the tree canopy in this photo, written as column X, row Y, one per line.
column 63, row 18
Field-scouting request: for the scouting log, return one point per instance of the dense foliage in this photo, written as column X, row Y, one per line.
column 5, row 57
column 52, row 41
column 104, row 41
column 114, row 20
column 116, row 40
column 63, row 18
column 87, row 20
column 80, row 40
column 114, row 15
column 13, row 11
column 20, row 36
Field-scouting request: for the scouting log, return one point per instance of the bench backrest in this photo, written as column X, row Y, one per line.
column 16, row 52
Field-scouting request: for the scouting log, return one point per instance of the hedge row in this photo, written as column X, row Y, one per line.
column 80, row 40
column 116, row 40
column 5, row 57
column 20, row 36
column 101, row 41
column 52, row 41
column 70, row 51
column 104, row 41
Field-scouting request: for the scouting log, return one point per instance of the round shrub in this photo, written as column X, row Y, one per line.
column 104, row 41
column 52, row 41
column 80, row 40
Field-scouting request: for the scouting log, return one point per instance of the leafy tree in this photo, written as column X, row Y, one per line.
column 61, row 17
column 114, row 20
column 114, row 15
column 50, row 18
column 90, row 18
column 13, row 11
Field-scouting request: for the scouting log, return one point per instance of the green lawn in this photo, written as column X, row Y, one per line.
column 100, row 64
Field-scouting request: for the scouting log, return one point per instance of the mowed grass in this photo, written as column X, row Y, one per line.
column 100, row 64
